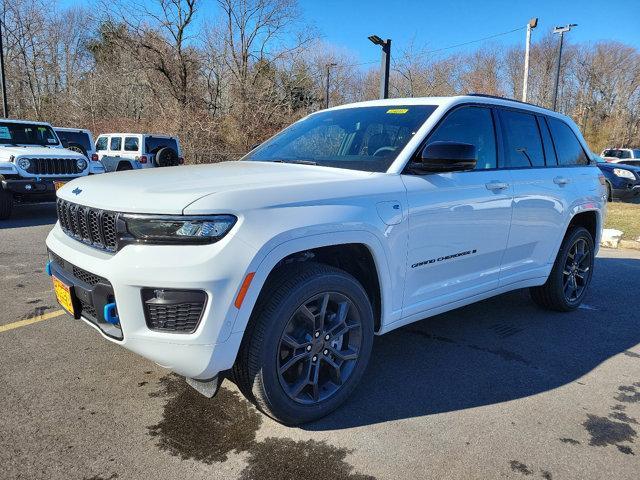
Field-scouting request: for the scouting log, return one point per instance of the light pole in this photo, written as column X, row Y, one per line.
column 561, row 31
column 533, row 23
column 3, row 83
column 328, row 65
column 385, row 63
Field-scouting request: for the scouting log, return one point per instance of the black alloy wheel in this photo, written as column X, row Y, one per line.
column 319, row 348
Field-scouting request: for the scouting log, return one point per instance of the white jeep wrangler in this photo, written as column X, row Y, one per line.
column 33, row 164
column 133, row 151
column 279, row 269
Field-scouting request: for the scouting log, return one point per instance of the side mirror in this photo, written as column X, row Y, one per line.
column 447, row 157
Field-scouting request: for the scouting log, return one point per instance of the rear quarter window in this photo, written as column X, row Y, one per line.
column 131, row 144
column 568, row 147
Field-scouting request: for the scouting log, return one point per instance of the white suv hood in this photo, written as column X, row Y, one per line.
column 170, row 190
column 35, row 151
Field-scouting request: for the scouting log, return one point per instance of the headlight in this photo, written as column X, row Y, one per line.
column 179, row 229
column 82, row 164
column 24, row 163
column 618, row 172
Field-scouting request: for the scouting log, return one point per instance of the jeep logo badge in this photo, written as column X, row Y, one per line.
column 76, row 191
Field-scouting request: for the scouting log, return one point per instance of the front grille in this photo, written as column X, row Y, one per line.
column 177, row 311
column 53, row 166
column 88, row 311
column 87, row 277
column 92, row 226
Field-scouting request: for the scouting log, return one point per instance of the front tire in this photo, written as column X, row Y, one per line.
column 307, row 345
column 6, row 204
column 570, row 277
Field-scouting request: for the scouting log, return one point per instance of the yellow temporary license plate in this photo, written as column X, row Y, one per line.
column 58, row 185
column 63, row 295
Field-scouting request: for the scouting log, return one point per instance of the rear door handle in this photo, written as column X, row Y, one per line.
column 561, row 180
column 497, row 185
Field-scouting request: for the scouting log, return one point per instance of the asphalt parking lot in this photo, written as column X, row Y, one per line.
column 500, row 389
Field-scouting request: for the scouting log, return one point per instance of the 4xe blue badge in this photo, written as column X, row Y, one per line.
column 76, row 191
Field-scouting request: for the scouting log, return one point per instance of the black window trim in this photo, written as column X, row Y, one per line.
column 497, row 129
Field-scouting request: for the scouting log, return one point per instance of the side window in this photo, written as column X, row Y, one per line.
column 523, row 146
column 473, row 125
column 568, row 148
column 116, row 143
column 131, row 144
column 624, row 154
column 101, row 144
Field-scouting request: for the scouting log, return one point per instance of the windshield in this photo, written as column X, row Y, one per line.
column 27, row 134
column 361, row 138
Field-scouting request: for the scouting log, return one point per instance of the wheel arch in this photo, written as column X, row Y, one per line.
column 359, row 253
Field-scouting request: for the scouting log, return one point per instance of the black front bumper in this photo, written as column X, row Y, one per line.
column 91, row 293
column 627, row 192
column 31, row 189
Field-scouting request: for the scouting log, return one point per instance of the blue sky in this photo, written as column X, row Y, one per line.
column 441, row 23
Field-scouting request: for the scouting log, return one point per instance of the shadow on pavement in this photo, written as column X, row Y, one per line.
column 494, row 351
column 31, row 215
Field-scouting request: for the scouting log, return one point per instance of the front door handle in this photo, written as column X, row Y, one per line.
column 561, row 181
column 497, row 185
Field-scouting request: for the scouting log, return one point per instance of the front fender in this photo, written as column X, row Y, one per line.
column 274, row 251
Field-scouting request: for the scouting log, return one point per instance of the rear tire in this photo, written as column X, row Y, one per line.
column 6, row 204
column 307, row 344
column 570, row 277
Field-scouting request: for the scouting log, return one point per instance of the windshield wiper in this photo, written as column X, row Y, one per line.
column 299, row 162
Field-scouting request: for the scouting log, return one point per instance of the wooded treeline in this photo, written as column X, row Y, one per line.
column 225, row 84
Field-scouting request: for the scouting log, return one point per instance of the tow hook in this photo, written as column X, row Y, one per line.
column 208, row 388
column 110, row 314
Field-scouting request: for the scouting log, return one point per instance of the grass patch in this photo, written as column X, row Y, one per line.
column 625, row 217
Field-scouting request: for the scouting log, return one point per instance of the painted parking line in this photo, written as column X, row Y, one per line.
column 29, row 321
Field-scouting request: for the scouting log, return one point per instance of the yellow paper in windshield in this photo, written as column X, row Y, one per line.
column 398, row 111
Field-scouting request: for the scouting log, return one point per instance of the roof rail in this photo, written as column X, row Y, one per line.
column 498, row 97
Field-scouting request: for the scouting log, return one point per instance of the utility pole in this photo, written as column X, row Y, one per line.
column 3, row 82
column 328, row 65
column 561, row 31
column 533, row 23
column 385, row 63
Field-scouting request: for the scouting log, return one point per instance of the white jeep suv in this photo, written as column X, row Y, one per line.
column 279, row 269
column 33, row 164
column 132, row 151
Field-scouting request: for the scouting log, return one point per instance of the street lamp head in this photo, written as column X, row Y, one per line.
column 533, row 23
column 376, row 39
column 564, row 29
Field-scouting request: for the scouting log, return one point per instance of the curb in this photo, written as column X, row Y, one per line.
column 612, row 238
column 632, row 244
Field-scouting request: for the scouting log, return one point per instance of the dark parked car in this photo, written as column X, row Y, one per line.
column 623, row 181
